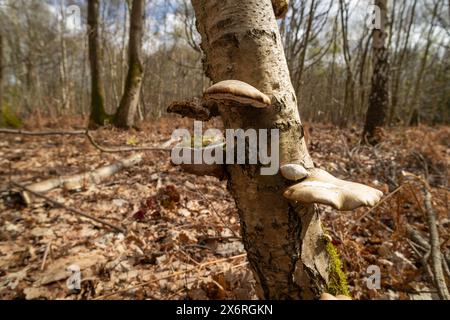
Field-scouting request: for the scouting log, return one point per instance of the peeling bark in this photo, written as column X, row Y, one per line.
column 284, row 241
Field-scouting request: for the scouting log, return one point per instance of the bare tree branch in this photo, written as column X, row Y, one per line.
column 73, row 210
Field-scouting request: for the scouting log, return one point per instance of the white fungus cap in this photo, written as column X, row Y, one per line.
column 293, row 171
column 321, row 187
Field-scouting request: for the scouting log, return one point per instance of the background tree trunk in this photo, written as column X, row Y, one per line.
column 379, row 94
column 98, row 115
column 65, row 89
column 284, row 242
column 1, row 76
column 126, row 113
column 348, row 107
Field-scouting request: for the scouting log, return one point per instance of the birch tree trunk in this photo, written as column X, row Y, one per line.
column 98, row 115
column 1, row 76
column 65, row 99
column 379, row 94
column 287, row 251
column 126, row 113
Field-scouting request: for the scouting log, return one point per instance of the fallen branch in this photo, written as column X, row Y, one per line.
column 122, row 149
column 44, row 133
column 436, row 255
column 437, row 258
column 73, row 210
column 417, row 238
column 88, row 135
column 76, row 181
column 200, row 266
column 422, row 243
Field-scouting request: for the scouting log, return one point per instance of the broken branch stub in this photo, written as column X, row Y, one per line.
column 194, row 109
column 238, row 92
column 323, row 188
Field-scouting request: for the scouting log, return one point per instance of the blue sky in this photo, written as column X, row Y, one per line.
column 162, row 19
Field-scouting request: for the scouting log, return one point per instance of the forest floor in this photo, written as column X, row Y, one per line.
column 182, row 238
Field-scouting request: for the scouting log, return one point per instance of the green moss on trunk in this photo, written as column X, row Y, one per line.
column 8, row 118
column 337, row 282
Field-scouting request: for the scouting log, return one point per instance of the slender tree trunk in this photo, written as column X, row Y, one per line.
column 63, row 65
column 126, row 113
column 285, row 243
column 362, row 72
column 348, row 109
column 1, row 76
column 98, row 115
column 379, row 94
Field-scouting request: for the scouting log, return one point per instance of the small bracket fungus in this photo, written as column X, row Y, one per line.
column 321, row 187
column 280, row 7
column 293, row 171
column 238, row 92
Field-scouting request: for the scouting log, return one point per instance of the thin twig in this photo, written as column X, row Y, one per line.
column 379, row 203
column 46, row 252
column 205, row 264
column 73, row 210
column 436, row 255
column 192, row 281
column 215, row 211
column 122, row 149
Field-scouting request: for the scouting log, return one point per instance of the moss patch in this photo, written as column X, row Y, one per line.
column 204, row 141
column 9, row 119
column 337, row 282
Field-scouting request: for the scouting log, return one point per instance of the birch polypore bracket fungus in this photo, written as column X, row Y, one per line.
column 236, row 91
column 323, row 188
column 280, row 7
column 293, row 172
